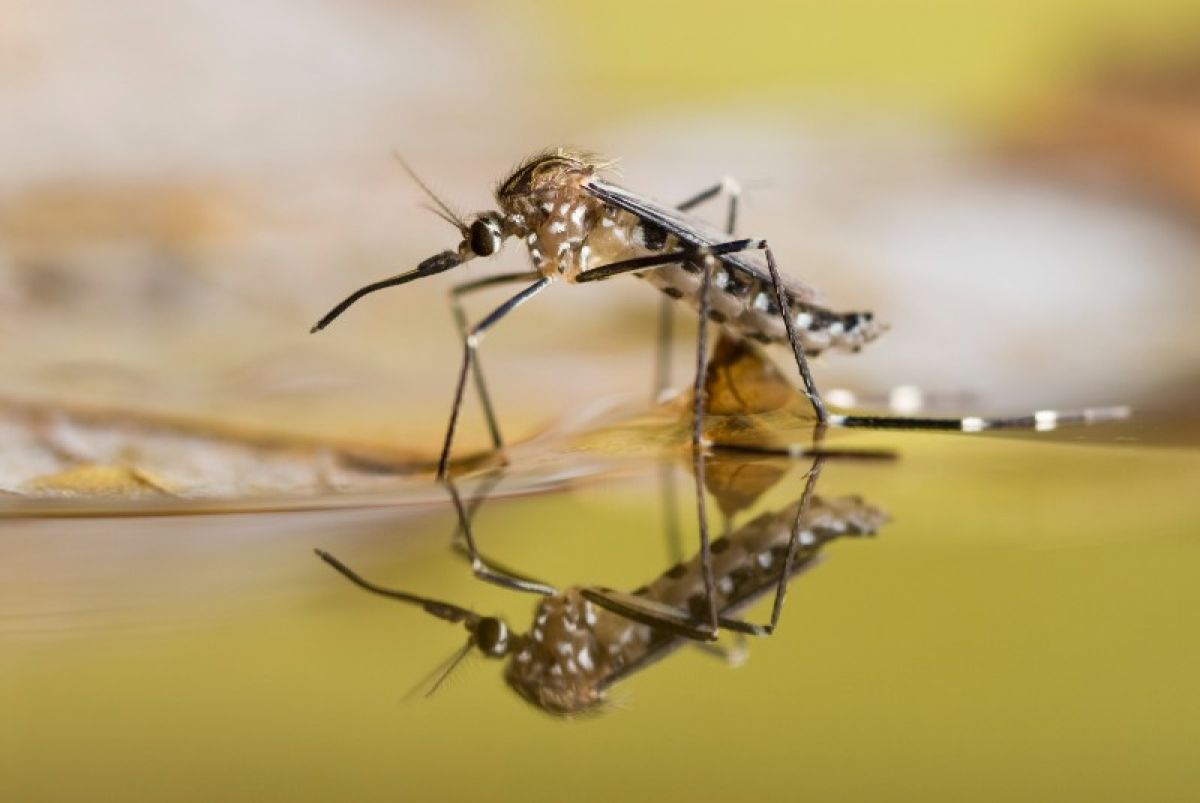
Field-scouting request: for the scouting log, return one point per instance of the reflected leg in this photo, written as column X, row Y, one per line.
column 486, row 570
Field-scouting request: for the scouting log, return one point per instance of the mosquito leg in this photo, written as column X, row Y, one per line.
column 463, row 544
column 470, row 346
column 662, row 353
column 483, row 569
column 666, row 306
column 658, row 260
column 810, row 385
column 491, row 480
column 670, row 258
column 670, row 503
column 460, row 320
column 732, row 190
column 698, row 400
column 789, row 560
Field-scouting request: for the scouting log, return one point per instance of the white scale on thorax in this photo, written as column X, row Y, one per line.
column 559, row 246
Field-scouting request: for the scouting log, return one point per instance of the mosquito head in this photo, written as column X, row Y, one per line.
column 482, row 236
column 491, row 636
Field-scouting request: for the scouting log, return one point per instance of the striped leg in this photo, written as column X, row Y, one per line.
column 460, row 320
column 666, row 308
column 470, row 347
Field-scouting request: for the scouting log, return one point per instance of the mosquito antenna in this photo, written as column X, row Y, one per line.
column 437, row 676
column 458, row 224
column 448, row 213
column 457, row 660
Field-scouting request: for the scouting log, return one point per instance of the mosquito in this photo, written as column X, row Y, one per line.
column 585, row 639
column 580, row 228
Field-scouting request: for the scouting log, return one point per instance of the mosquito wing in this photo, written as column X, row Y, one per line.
column 690, row 230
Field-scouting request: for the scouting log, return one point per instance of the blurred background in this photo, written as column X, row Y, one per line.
column 187, row 186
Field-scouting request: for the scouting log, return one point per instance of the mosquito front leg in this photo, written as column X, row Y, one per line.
column 460, row 320
column 470, row 346
column 666, row 306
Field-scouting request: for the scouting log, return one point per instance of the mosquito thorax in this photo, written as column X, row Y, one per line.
column 492, row 636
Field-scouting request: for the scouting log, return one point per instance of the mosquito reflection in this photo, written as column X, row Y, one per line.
column 585, row 639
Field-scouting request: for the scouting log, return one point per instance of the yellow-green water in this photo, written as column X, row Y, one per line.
column 1022, row 629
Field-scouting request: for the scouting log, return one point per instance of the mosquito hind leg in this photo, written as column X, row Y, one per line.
column 470, row 347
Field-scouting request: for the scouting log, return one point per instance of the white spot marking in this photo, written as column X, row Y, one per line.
column 577, row 214
column 585, row 660
column 558, row 227
column 807, row 538
column 803, row 320
column 762, row 302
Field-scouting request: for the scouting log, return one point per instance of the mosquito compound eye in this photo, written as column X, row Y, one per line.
column 484, row 239
column 492, row 636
